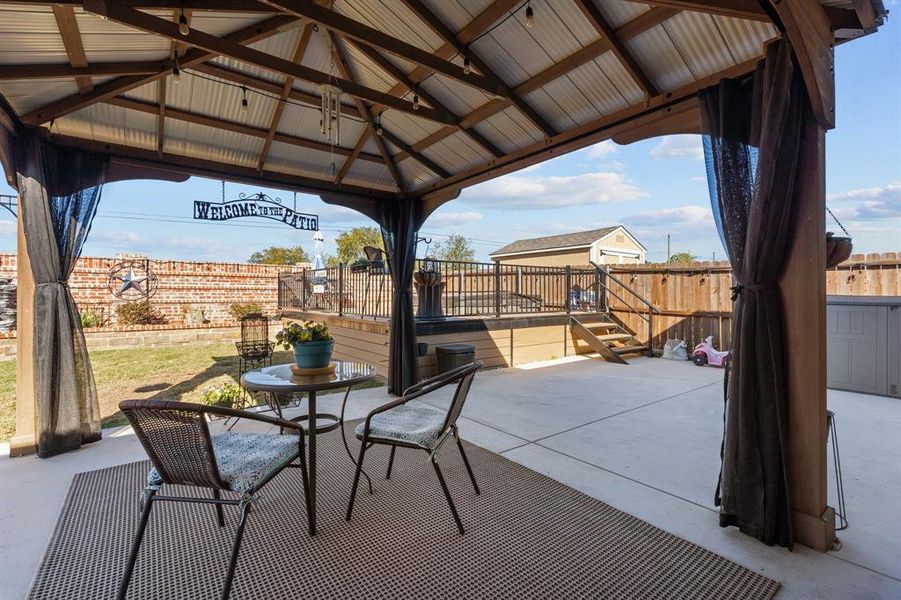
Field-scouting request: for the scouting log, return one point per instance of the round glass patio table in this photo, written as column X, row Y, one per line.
column 280, row 379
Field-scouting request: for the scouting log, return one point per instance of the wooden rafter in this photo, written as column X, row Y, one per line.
column 366, row 113
column 146, row 22
column 741, row 9
column 236, row 127
column 65, row 70
column 358, row 148
column 299, row 51
column 398, row 74
column 68, row 30
column 597, row 20
column 449, row 37
column 351, row 29
column 161, row 116
column 109, row 89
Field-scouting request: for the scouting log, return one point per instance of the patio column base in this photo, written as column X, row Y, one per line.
column 22, row 445
column 816, row 532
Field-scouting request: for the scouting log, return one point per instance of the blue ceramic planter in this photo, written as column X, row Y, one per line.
column 313, row 355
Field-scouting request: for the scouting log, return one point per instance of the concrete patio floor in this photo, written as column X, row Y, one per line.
column 644, row 438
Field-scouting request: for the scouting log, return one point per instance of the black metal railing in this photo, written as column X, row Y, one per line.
column 460, row 289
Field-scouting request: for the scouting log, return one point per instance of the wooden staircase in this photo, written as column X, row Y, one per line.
column 608, row 339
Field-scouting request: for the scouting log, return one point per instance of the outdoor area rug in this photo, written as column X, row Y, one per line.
column 527, row 536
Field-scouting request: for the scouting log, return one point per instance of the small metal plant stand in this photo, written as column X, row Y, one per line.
column 254, row 349
column 832, row 434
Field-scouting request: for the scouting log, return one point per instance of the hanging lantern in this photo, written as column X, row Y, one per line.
column 330, row 124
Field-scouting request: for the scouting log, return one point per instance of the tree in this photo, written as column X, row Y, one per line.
column 279, row 255
column 350, row 243
column 455, row 247
column 682, row 258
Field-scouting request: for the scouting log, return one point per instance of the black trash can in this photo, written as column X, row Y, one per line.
column 451, row 356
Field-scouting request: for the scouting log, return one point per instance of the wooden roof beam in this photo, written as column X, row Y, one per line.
column 398, row 74
column 597, row 20
column 149, row 23
column 161, row 116
column 66, row 70
column 194, row 5
column 234, row 126
column 358, row 148
column 299, row 51
column 449, row 37
column 178, row 163
column 366, row 113
column 742, row 9
column 352, row 29
column 109, row 89
column 68, row 30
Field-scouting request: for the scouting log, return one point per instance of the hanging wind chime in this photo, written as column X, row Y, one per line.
column 330, row 123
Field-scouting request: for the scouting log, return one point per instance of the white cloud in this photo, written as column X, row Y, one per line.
column 541, row 192
column 868, row 204
column 453, row 219
column 7, row 227
column 678, row 146
column 690, row 217
column 602, row 150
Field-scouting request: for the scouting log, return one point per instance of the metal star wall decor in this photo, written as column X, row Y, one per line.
column 132, row 280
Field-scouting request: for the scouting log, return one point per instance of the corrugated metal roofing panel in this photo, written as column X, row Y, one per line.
column 366, row 173
column 509, row 130
column 365, row 71
column 215, row 98
column 660, row 59
column 414, row 174
column 745, row 38
column 391, row 17
column 302, row 161
column 568, row 17
column 220, row 24
column 456, row 153
column 456, row 14
column 28, row 34
column 25, row 95
column 113, row 124
column 699, row 42
column 407, row 127
column 530, row 57
column 105, row 40
column 302, row 121
column 620, row 78
column 618, row 12
column 603, row 95
column 556, row 101
column 209, row 143
column 459, row 98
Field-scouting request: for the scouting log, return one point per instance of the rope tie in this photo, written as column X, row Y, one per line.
column 737, row 290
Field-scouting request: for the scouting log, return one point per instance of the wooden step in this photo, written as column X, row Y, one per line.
column 593, row 342
column 615, row 337
column 630, row 349
column 600, row 326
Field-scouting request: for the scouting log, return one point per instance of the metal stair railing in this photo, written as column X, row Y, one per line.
column 605, row 276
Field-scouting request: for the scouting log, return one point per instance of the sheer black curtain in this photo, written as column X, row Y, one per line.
column 59, row 189
column 400, row 220
column 752, row 143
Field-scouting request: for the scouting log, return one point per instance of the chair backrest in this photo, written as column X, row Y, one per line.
column 177, row 440
column 373, row 254
column 464, row 376
column 254, row 329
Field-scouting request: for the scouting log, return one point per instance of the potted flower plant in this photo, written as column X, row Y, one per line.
column 311, row 342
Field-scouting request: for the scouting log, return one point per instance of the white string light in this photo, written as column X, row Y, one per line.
column 244, row 104
column 183, row 24
column 530, row 15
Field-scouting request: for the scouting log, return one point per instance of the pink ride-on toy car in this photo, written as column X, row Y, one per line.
column 704, row 354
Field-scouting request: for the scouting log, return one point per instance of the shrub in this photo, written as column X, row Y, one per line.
column 239, row 310
column 138, row 312
column 226, row 394
column 91, row 318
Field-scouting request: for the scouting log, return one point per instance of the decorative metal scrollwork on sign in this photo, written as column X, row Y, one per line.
column 255, row 205
column 132, row 279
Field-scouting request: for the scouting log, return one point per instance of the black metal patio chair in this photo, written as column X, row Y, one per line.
column 421, row 427
column 177, row 439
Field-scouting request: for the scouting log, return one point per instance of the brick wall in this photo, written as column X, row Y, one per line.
column 212, row 287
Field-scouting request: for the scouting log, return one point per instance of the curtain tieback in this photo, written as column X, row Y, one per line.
column 738, row 289
column 65, row 284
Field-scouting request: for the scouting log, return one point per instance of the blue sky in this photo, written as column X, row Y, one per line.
column 653, row 187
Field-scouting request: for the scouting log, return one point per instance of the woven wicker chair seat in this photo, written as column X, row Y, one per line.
column 246, row 458
column 414, row 424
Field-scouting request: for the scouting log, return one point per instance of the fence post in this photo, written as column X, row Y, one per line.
column 569, row 286
column 497, row 289
column 340, row 289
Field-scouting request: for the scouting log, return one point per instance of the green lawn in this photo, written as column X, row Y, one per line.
column 174, row 373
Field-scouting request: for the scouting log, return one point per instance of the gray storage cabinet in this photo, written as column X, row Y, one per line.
column 864, row 344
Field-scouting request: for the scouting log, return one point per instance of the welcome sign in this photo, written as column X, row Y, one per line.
column 258, row 205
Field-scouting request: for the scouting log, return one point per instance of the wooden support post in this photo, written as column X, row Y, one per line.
column 25, row 441
column 804, row 293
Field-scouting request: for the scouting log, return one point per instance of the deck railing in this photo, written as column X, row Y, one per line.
column 463, row 289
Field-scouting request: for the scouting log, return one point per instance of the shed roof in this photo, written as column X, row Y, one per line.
column 493, row 94
column 579, row 239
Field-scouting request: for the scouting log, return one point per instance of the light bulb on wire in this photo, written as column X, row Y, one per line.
column 415, row 101
column 467, row 67
column 176, row 73
column 183, row 24
column 378, row 125
column 530, row 16
column 244, row 103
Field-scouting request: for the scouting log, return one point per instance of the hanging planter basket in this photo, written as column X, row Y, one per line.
column 838, row 249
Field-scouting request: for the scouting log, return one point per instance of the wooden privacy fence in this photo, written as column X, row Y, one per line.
column 695, row 300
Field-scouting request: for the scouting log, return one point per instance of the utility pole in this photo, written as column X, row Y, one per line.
column 668, row 253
